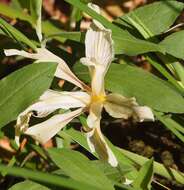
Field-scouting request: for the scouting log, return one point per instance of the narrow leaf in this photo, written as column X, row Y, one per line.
column 15, row 34
column 36, row 13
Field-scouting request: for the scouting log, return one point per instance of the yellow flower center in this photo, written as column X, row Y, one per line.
column 98, row 98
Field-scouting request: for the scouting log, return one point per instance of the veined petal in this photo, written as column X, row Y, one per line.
column 44, row 55
column 97, row 143
column 44, row 131
column 64, row 99
column 48, row 103
column 99, row 54
column 99, row 47
column 52, row 100
column 119, row 106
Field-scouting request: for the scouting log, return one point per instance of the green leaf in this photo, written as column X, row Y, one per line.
column 28, row 185
column 80, row 138
column 47, row 178
column 15, row 34
column 125, row 43
column 145, row 87
column 143, row 180
column 79, row 168
column 129, row 45
column 21, row 88
column 153, row 19
column 36, row 13
column 174, row 44
column 130, row 158
column 53, row 32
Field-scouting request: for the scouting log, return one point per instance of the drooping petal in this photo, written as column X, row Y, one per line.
column 94, row 116
column 119, row 106
column 44, row 55
column 95, row 138
column 65, row 100
column 44, row 131
column 97, row 143
column 48, row 103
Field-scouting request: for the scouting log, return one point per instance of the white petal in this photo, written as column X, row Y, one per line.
column 97, row 143
column 143, row 113
column 99, row 55
column 94, row 114
column 99, row 47
column 64, row 99
column 97, row 74
column 119, row 106
column 48, row 103
column 95, row 138
column 44, row 55
column 44, row 131
column 88, row 137
column 52, row 100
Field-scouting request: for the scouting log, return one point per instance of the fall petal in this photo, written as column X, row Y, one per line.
column 98, row 144
column 48, row 103
column 118, row 111
column 52, row 100
column 44, row 131
column 119, row 106
column 44, row 55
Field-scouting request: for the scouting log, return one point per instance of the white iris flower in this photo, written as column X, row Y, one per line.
column 99, row 55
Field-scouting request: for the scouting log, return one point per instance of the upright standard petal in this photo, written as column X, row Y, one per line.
column 99, row 55
column 44, row 55
column 119, row 106
column 44, row 131
column 99, row 52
